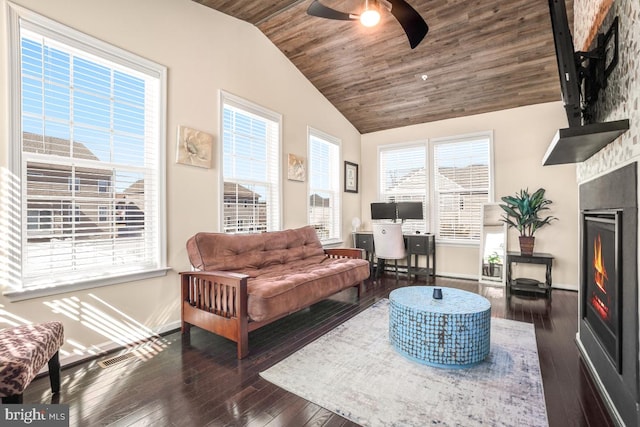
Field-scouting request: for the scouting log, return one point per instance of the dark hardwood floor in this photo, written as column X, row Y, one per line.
column 197, row 380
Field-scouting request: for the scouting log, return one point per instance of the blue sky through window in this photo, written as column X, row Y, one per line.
column 320, row 153
column 245, row 151
column 77, row 99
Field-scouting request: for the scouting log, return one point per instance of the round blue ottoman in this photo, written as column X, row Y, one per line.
column 452, row 332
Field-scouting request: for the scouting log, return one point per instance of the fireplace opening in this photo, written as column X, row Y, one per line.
column 601, row 294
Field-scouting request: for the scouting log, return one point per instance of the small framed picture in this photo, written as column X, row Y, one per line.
column 195, row 147
column 350, row 177
column 296, row 169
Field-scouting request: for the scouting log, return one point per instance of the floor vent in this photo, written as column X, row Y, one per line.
column 107, row 363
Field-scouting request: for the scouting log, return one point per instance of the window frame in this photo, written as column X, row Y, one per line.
column 17, row 17
column 258, row 110
column 336, row 238
column 464, row 138
column 412, row 225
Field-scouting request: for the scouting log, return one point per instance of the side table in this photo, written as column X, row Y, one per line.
column 515, row 285
column 451, row 332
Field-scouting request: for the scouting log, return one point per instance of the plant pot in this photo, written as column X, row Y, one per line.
column 526, row 245
column 495, row 269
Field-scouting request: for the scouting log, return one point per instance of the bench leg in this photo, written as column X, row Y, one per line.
column 243, row 337
column 243, row 346
column 15, row 399
column 54, row 373
column 185, row 328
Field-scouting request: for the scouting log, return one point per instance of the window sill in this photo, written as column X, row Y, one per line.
column 332, row 243
column 454, row 243
column 22, row 295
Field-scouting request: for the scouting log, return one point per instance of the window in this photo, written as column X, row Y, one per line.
column 103, row 186
column 251, row 167
column 462, row 172
column 103, row 213
column 403, row 177
column 87, row 113
column 38, row 219
column 324, row 185
column 74, row 183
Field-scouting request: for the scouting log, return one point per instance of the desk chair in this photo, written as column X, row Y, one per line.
column 389, row 243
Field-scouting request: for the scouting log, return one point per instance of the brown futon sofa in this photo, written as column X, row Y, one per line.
column 245, row 281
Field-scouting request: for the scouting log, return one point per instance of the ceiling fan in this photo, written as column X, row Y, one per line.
column 412, row 23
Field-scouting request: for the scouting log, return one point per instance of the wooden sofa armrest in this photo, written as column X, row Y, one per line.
column 219, row 292
column 213, row 273
column 216, row 301
column 348, row 253
column 345, row 253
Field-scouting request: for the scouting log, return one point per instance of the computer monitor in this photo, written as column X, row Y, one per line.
column 381, row 210
column 409, row 210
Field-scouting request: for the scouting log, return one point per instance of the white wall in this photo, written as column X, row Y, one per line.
column 204, row 51
column 521, row 137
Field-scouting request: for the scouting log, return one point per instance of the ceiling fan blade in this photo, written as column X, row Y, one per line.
column 318, row 9
column 412, row 23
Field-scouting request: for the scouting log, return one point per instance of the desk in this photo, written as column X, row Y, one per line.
column 416, row 244
column 529, row 285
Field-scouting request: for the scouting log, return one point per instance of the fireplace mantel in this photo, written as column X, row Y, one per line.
column 577, row 144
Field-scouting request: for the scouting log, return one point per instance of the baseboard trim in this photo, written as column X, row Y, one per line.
column 565, row 287
column 109, row 347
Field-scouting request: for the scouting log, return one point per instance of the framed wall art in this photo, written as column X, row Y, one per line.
column 296, row 169
column 350, row 177
column 195, row 147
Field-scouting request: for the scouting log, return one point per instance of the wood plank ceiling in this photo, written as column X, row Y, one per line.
column 479, row 56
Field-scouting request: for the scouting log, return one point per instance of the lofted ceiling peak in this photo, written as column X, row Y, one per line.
column 479, row 56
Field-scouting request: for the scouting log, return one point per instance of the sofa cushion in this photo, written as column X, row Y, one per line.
column 240, row 252
column 289, row 289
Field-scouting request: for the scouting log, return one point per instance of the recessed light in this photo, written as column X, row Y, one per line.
column 421, row 77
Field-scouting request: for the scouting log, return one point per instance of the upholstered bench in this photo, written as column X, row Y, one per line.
column 23, row 352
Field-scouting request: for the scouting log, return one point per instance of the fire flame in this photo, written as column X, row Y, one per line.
column 600, row 276
column 600, row 306
column 600, row 279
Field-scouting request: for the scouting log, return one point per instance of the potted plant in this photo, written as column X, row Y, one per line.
column 493, row 259
column 522, row 212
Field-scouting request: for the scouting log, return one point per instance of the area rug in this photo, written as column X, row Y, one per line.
column 355, row 372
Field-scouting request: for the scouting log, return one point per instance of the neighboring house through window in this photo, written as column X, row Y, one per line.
column 324, row 186
column 87, row 134
column 403, row 178
column 459, row 184
column 251, row 167
column 462, row 184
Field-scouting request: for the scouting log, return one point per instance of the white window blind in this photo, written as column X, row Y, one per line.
column 90, row 156
column 403, row 178
column 462, row 179
column 324, row 185
column 251, row 167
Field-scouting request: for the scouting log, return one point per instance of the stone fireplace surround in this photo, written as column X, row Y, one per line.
column 615, row 190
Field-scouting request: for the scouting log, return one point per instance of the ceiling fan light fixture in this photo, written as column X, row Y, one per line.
column 409, row 19
column 370, row 16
